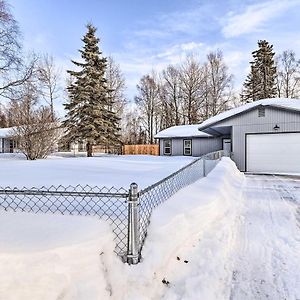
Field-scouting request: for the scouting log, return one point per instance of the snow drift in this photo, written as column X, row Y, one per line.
column 185, row 254
column 190, row 239
column 55, row 257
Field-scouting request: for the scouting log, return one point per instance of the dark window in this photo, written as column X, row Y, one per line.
column 167, row 147
column 187, row 147
column 261, row 111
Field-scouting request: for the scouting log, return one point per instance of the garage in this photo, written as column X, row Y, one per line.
column 273, row 152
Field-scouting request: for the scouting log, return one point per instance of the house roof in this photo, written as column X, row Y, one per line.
column 284, row 103
column 5, row 132
column 181, row 131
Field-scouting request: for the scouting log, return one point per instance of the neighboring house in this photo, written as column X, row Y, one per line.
column 263, row 136
column 7, row 144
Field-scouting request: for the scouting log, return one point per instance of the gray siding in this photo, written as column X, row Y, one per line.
column 249, row 122
column 200, row 146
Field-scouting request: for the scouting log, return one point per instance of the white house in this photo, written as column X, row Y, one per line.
column 7, row 144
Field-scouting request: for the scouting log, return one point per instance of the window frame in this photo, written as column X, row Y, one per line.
column 190, row 148
column 164, row 146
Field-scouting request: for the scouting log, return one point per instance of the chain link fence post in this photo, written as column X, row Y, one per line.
column 204, row 167
column 133, row 225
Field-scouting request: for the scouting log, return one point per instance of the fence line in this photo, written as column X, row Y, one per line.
column 127, row 210
column 141, row 149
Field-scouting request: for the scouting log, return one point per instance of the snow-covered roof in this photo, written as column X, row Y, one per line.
column 181, row 131
column 285, row 103
column 5, row 132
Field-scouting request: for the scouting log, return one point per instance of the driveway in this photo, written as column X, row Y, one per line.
column 267, row 256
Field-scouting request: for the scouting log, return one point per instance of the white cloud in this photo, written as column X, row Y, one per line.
column 137, row 63
column 254, row 17
column 190, row 21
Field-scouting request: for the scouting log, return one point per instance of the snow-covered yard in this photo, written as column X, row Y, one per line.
column 226, row 236
column 118, row 171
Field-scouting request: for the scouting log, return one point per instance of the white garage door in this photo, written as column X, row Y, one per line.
column 273, row 153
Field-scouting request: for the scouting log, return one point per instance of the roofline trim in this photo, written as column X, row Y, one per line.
column 247, row 110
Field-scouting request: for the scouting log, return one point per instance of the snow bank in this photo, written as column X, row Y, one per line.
column 189, row 242
column 196, row 225
column 55, row 257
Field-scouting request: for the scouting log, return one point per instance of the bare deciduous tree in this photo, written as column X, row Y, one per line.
column 191, row 80
column 133, row 133
column 288, row 75
column 116, row 86
column 171, row 95
column 49, row 77
column 35, row 132
column 3, row 118
column 13, row 71
column 220, row 83
column 147, row 102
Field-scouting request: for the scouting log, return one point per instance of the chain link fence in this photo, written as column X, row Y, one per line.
column 127, row 210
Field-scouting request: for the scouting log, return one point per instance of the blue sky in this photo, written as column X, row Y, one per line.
column 145, row 35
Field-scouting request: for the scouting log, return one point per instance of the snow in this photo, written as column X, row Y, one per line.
column 197, row 225
column 6, row 132
column 55, row 257
column 267, row 255
column 181, row 131
column 275, row 102
column 227, row 236
column 118, row 171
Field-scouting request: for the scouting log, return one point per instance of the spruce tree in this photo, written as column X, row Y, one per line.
column 261, row 82
column 90, row 117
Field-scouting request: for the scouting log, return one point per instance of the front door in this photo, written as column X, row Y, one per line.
column 227, row 147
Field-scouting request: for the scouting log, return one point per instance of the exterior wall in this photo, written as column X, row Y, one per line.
column 249, row 122
column 200, row 146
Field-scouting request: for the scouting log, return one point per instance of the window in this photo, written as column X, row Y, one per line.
column 187, row 147
column 261, row 111
column 167, row 147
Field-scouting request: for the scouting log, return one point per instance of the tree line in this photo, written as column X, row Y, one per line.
column 96, row 108
column 193, row 91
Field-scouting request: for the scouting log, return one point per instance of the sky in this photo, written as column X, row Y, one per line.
column 148, row 35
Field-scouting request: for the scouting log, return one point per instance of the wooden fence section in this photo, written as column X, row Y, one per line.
column 141, row 149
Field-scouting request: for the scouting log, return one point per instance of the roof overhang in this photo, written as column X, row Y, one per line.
column 218, row 130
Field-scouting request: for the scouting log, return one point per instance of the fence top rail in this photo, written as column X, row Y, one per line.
column 77, row 190
column 29, row 192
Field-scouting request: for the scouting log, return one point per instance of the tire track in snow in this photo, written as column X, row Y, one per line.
column 268, row 244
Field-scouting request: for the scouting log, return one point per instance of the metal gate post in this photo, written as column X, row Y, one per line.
column 204, row 171
column 133, row 225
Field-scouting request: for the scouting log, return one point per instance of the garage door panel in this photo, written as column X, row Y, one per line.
column 274, row 153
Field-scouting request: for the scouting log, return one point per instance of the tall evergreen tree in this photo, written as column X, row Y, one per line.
column 261, row 82
column 90, row 117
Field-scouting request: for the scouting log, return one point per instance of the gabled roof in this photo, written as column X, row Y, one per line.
column 284, row 103
column 181, row 131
